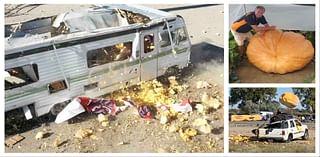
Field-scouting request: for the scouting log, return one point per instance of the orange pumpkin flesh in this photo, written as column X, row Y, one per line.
column 279, row 52
column 289, row 99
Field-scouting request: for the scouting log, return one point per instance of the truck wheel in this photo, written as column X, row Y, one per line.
column 306, row 135
column 270, row 140
column 289, row 138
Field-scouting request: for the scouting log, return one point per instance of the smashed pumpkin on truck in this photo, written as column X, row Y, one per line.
column 282, row 127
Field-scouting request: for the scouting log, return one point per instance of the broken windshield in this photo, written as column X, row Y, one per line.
column 277, row 125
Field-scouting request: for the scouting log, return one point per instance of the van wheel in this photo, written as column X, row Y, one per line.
column 57, row 108
column 289, row 138
column 306, row 135
column 172, row 71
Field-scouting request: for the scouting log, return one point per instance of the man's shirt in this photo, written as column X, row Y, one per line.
column 243, row 25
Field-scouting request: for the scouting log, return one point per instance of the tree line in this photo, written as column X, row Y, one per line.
column 253, row 100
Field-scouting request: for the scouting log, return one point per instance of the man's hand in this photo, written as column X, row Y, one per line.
column 261, row 33
column 265, row 28
column 271, row 27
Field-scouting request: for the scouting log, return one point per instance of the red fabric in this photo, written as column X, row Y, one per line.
column 98, row 105
column 185, row 102
column 145, row 112
column 84, row 101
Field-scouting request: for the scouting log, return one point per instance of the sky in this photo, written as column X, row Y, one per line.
column 279, row 92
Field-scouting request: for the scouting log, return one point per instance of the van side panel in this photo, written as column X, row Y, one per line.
column 115, row 75
column 180, row 56
column 35, row 93
column 71, row 63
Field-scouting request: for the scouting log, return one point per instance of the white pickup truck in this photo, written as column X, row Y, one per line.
column 284, row 130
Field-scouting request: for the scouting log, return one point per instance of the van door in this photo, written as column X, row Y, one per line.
column 148, row 54
column 180, row 43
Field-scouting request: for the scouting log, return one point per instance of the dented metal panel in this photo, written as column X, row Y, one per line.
column 71, row 22
column 61, row 53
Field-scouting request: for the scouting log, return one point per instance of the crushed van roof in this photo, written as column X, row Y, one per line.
column 69, row 25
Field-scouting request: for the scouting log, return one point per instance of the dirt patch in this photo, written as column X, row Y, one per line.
column 127, row 132
column 248, row 73
column 297, row 146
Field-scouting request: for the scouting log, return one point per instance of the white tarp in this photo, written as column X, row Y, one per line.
column 283, row 16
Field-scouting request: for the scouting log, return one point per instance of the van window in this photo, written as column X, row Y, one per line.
column 181, row 35
column 21, row 76
column 117, row 52
column 178, row 35
column 57, row 86
column 165, row 38
column 148, row 43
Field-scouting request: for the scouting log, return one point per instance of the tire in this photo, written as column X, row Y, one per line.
column 306, row 135
column 289, row 138
column 172, row 71
column 57, row 108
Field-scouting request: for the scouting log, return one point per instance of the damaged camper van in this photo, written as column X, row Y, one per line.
column 50, row 60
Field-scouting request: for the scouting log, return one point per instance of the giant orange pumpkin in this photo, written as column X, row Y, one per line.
column 289, row 99
column 279, row 52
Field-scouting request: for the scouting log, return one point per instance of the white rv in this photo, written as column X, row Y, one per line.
column 51, row 60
